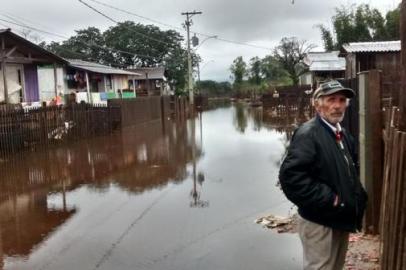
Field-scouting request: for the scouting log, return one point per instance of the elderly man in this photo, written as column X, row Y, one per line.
column 319, row 174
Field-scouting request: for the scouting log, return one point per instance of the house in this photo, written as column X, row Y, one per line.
column 95, row 83
column 382, row 55
column 34, row 75
column 322, row 66
column 20, row 74
column 152, row 81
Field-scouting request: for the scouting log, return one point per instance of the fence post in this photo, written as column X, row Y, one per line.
column 402, row 94
column 370, row 139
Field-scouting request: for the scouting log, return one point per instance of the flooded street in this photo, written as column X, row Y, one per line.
column 173, row 195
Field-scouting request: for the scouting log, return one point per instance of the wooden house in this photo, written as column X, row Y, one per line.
column 382, row 55
column 151, row 81
column 363, row 56
column 322, row 66
column 21, row 63
column 95, row 83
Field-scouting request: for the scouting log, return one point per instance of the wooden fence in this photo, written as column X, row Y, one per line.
column 291, row 101
column 179, row 107
column 32, row 128
column 393, row 203
column 138, row 110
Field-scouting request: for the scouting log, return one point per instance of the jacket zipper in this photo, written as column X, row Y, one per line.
column 341, row 146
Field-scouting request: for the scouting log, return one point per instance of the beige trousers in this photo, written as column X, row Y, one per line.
column 323, row 247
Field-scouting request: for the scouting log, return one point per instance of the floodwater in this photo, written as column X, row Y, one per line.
column 173, row 195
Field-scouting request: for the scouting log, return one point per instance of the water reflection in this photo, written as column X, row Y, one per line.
column 263, row 118
column 240, row 118
column 137, row 159
column 149, row 198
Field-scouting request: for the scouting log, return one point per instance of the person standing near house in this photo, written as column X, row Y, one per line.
column 319, row 174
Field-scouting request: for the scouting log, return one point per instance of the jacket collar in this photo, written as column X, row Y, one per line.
column 330, row 129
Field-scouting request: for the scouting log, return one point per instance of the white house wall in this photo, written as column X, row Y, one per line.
column 120, row 82
column 13, row 85
column 46, row 82
column 306, row 78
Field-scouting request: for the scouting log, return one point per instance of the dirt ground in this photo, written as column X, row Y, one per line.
column 363, row 250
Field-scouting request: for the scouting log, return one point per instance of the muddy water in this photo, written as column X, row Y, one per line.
column 172, row 195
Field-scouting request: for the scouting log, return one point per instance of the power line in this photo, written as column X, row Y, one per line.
column 89, row 45
column 83, row 43
column 97, row 11
column 111, row 19
column 179, row 28
column 137, row 15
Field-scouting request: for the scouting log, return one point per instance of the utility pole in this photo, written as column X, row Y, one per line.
column 188, row 23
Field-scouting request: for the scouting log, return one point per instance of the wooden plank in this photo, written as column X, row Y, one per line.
column 397, row 201
column 391, row 204
column 388, row 154
column 375, row 136
column 10, row 52
column 402, row 205
column 402, row 97
column 385, row 234
column 3, row 67
column 55, row 80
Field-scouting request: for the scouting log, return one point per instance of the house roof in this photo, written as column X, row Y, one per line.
column 324, row 61
column 26, row 46
column 98, row 68
column 153, row 73
column 378, row 46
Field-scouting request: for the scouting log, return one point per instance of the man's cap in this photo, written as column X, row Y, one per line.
column 332, row 87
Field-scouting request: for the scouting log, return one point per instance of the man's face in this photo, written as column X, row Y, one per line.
column 332, row 107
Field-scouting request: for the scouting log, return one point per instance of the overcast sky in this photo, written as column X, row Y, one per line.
column 258, row 22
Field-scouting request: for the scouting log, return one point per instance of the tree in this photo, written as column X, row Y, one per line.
column 358, row 24
column 129, row 44
column 213, row 88
column 255, row 70
column 238, row 70
column 392, row 24
column 289, row 54
column 272, row 71
column 86, row 45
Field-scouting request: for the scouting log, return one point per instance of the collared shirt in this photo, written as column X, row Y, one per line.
column 335, row 129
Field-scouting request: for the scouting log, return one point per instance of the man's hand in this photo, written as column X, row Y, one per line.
column 336, row 201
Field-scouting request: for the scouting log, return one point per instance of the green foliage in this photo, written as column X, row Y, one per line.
column 255, row 71
column 392, row 24
column 327, row 38
column 238, row 70
column 273, row 72
column 289, row 54
column 129, row 44
column 214, row 89
column 84, row 45
column 360, row 23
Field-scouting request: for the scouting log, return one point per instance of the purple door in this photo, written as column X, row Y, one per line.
column 31, row 83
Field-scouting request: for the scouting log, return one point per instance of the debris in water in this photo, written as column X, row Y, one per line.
column 279, row 223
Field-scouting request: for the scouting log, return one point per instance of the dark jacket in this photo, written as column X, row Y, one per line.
column 315, row 170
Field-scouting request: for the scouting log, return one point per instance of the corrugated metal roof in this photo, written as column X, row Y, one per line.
column 324, row 61
column 378, row 46
column 154, row 73
column 98, row 68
